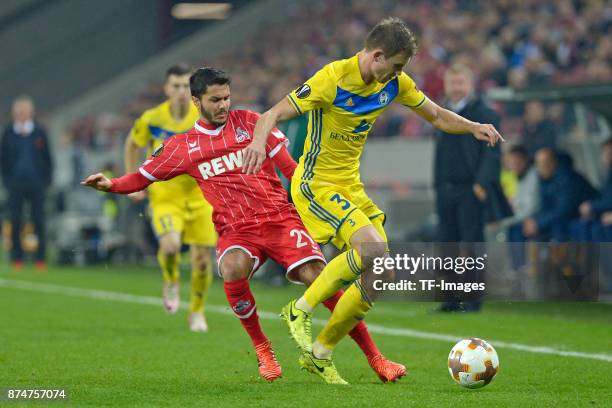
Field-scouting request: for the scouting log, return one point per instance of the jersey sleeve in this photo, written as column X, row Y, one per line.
column 409, row 95
column 140, row 133
column 317, row 92
column 167, row 161
column 276, row 141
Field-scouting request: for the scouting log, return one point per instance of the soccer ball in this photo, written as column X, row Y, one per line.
column 473, row 363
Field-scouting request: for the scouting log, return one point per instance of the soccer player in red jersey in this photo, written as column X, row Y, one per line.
column 251, row 214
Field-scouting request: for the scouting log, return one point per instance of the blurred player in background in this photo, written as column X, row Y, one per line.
column 251, row 212
column 179, row 213
column 344, row 99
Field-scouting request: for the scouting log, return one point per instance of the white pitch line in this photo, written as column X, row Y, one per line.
column 374, row 328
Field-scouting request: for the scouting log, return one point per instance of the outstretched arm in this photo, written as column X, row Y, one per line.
column 284, row 162
column 255, row 153
column 127, row 184
column 449, row 122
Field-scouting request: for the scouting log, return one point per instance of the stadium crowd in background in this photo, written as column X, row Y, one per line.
column 517, row 44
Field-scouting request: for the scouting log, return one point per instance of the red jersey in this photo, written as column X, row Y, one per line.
column 213, row 157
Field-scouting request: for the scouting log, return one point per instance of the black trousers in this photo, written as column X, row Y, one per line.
column 461, row 220
column 460, row 214
column 17, row 198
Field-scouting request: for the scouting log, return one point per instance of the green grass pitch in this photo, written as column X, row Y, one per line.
column 113, row 350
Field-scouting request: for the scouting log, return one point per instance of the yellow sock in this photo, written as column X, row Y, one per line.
column 200, row 282
column 341, row 271
column 351, row 308
column 169, row 266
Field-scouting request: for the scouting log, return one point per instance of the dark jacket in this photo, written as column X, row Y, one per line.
column 604, row 203
column 42, row 164
column 560, row 197
column 477, row 162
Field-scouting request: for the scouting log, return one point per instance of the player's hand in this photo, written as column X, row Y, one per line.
column 487, row 133
column 137, row 196
column 253, row 157
column 98, row 181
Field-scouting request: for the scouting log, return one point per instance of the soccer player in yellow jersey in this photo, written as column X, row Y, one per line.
column 343, row 101
column 179, row 212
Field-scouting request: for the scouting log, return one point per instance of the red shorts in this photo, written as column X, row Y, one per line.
column 285, row 240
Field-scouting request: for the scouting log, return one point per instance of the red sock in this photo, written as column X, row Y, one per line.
column 360, row 333
column 241, row 300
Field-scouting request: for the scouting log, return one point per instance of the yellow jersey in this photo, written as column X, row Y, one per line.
column 343, row 109
column 150, row 130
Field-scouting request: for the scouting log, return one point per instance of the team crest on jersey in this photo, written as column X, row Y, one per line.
column 383, row 98
column 242, row 306
column 242, row 135
column 303, row 91
column 158, row 151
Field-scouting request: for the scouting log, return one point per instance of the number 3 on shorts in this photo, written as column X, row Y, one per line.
column 344, row 203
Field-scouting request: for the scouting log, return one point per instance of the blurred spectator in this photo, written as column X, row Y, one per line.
column 26, row 173
column 592, row 228
column 562, row 189
column 539, row 131
column 527, row 200
column 466, row 171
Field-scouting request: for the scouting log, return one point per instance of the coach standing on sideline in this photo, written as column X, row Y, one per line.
column 26, row 165
column 466, row 174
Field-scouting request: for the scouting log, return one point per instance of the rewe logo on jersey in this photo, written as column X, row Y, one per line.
column 242, row 135
column 220, row 165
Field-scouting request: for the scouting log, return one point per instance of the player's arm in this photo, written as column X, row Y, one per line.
column 317, row 92
column 127, row 184
column 283, row 160
column 137, row 139
column 255, row 153
column 449, row 122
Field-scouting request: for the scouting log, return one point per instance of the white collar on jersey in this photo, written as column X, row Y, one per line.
column 210, row 132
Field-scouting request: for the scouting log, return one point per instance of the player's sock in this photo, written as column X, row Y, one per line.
column 242, row 302
column 350, row 310
column 359, row 333
column 170, row 266
column 200, row 282
column 341, row 271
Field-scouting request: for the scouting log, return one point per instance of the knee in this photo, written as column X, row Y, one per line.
column 169, row 247
column 307, row 273
column 235, row 265
column 201, row 259
column 370, row 244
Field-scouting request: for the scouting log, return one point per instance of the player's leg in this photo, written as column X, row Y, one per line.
column 15, row 203
column 356, row 301
column 201, row 279
column 199, row 232
column 236, row 266
column 169, row 257
column 168, row 224
column 386, row 370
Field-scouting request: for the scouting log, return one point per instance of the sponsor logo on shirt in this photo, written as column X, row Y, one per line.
column 193, row 147
column 220, row 165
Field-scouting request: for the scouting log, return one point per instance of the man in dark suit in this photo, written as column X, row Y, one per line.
column 26, row 165
column 466, row 174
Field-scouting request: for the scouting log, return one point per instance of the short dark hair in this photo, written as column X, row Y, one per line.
column 202, row 78
column 520, row 150
column 392, row 36
column 178, row 70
